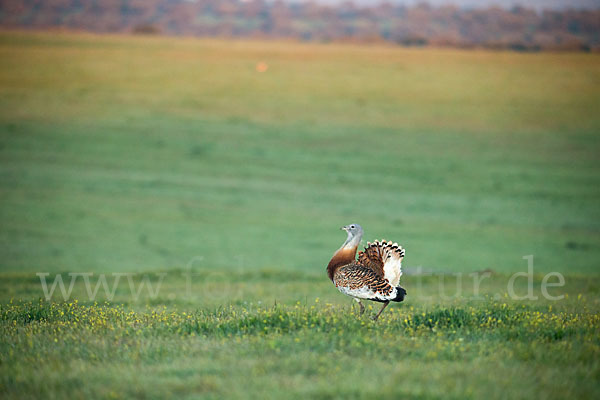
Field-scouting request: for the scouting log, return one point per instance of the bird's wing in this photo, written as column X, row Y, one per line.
column 385, row 259
column 357, row 280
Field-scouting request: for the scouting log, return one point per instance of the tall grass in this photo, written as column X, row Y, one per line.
column 281, row 342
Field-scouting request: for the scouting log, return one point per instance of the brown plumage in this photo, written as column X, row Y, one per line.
column 355, row 276
column 375, row 255
column 375, row 275
column 340, row 258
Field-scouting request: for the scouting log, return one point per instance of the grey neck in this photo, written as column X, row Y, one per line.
column 351, row 241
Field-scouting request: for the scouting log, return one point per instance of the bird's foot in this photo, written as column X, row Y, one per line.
column 362, row 307
column 380, row 311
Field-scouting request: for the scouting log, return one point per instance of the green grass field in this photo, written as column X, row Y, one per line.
column 164, row 157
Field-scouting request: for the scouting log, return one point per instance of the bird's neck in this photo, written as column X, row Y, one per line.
column 351, row 243
column 345, row 255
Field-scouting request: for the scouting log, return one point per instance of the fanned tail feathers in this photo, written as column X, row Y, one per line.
column 385, row 258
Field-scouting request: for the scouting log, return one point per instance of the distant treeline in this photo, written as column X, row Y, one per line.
column 518, row 28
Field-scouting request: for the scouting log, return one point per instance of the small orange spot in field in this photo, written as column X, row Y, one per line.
column 262, row 67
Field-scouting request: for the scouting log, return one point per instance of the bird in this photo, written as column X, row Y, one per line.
column 374, row 276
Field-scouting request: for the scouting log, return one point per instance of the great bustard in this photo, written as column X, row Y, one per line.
column 375, row 275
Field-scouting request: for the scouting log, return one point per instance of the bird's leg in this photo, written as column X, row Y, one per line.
column 380, row 311
column 362, row 308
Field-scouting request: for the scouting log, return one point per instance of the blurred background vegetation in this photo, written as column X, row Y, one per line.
column 526, row 25
column 129, row 154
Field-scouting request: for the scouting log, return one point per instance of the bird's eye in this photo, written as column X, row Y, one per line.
column 352, row 226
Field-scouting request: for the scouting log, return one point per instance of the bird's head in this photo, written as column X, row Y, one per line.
column 353, row 230
column 355, row 233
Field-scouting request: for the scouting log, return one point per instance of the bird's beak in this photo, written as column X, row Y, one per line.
column 344, row 228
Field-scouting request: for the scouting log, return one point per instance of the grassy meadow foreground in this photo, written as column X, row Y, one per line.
column 178, row 162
